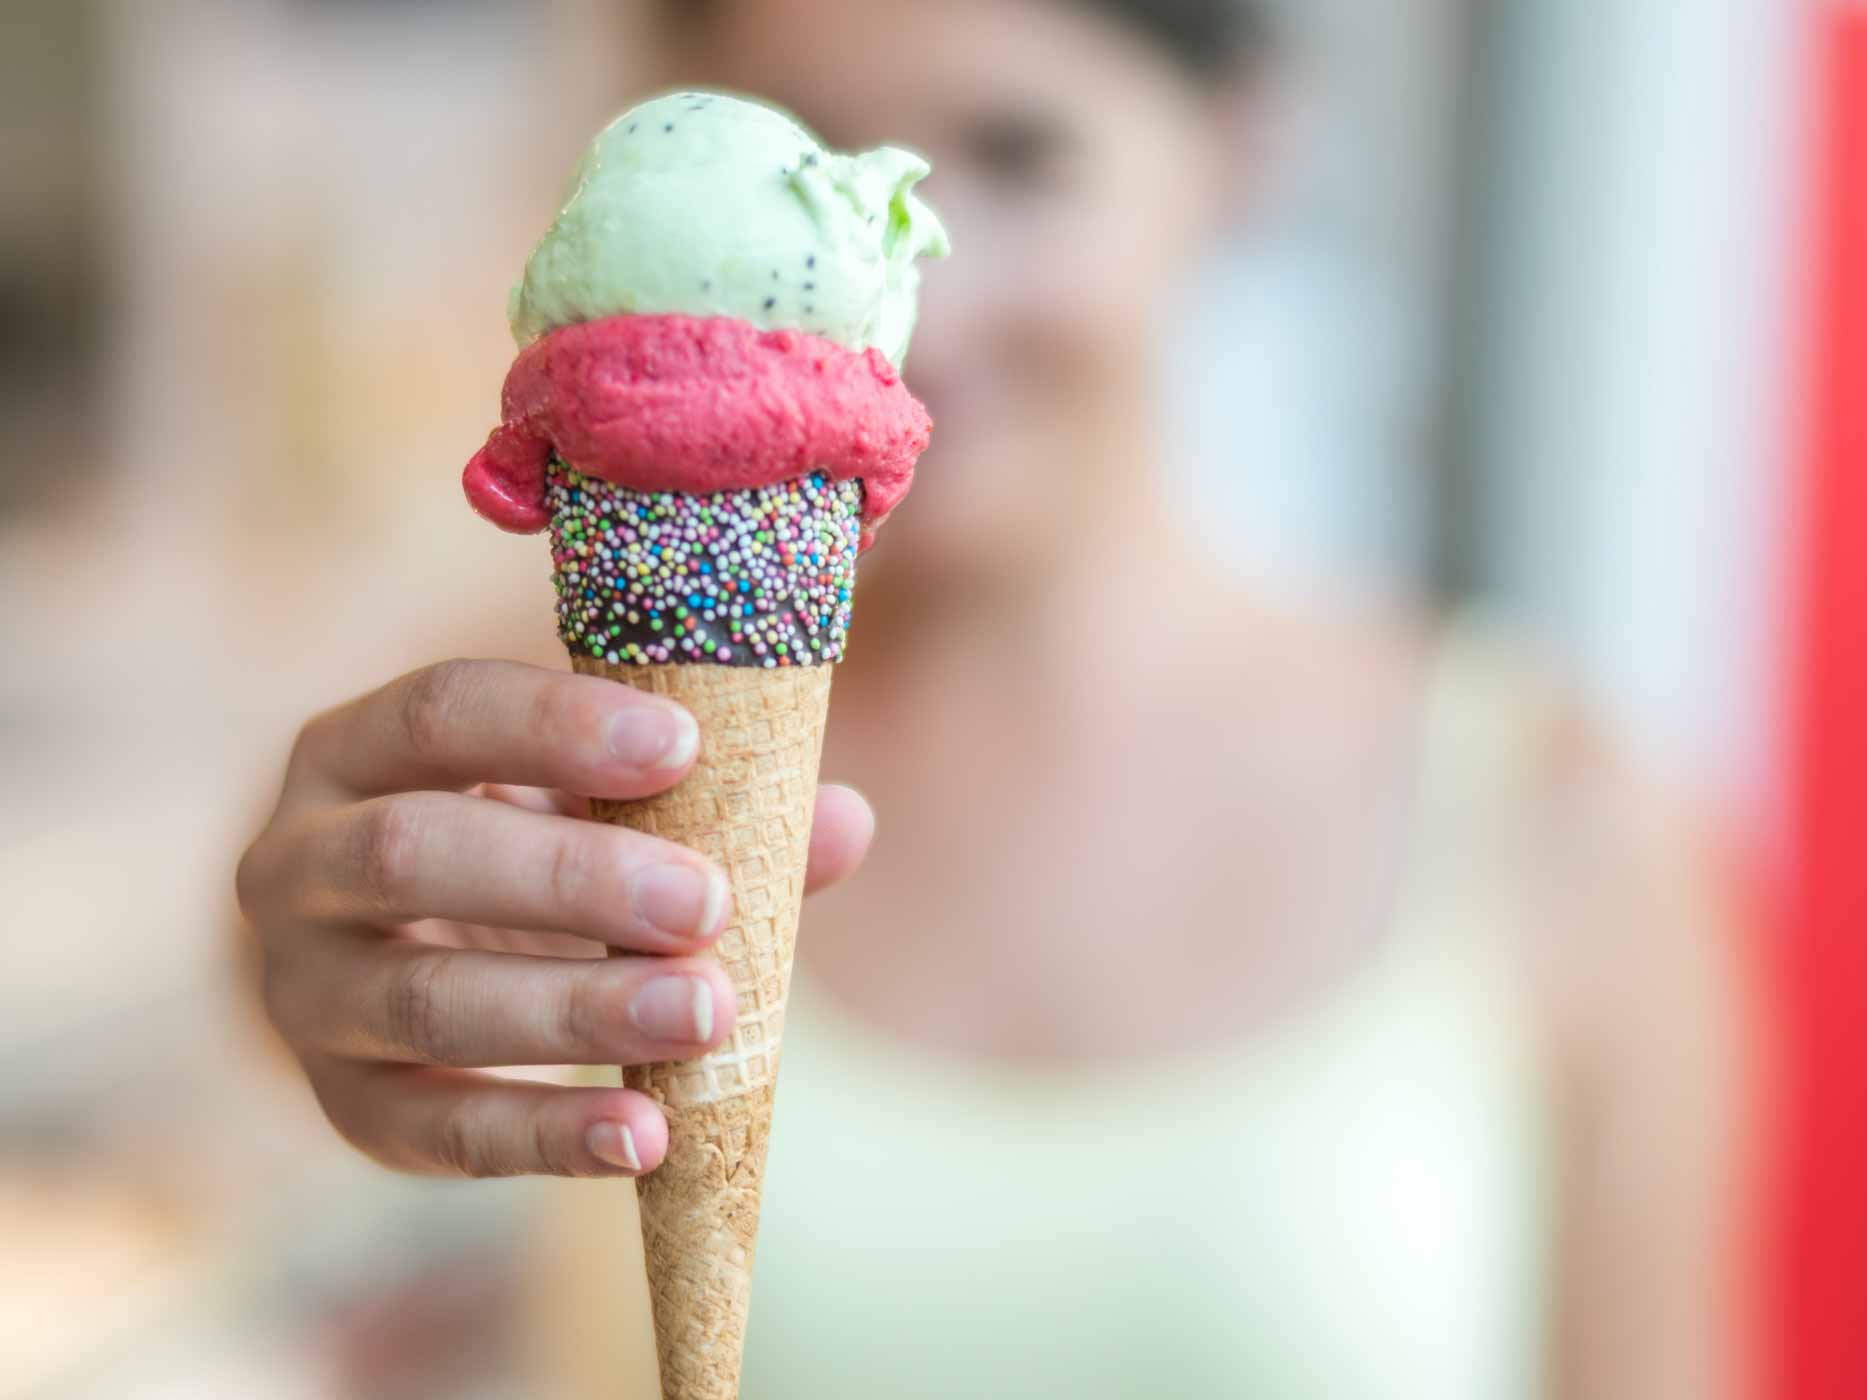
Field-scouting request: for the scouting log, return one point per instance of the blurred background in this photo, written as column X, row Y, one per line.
column 1521, row 315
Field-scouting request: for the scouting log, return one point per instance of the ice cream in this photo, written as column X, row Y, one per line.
column 707, row 205
column 707, row 414
column 678, row 403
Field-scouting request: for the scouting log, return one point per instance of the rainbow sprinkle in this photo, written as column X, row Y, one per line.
column 740, row 578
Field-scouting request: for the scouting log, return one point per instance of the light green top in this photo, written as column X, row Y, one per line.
column 707, row 205
column 1349, row 1207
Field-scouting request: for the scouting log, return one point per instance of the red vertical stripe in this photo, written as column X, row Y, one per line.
column 1824, row 1343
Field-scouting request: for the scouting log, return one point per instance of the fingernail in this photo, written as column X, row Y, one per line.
column 613, row 1143
column 654, row 736
column 678, row 1009
column 681, row 901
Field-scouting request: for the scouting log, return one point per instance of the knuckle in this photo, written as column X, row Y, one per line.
column 341, row 1120
column 468, row 1144
column 554, row 711
column 252, row 879
column 457, row 1142
column 572, row 870
column 415, row 1016
column 430, row 701
column 548, row 1155
column 388, row 843
column 580, row 1016
column 344, row 1112
column 310, row 742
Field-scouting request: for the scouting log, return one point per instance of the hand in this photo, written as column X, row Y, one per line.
column 428, row 902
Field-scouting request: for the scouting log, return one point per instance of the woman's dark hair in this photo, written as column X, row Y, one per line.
column 1209, row 39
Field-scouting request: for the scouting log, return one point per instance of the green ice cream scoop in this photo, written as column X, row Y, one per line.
column 701, row 204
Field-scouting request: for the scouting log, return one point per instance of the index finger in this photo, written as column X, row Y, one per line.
column 460, row 723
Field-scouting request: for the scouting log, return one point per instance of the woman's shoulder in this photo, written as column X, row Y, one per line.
column 1622, row 880
column 1606, row 822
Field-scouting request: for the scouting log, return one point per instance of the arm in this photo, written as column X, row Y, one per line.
column 1643, row 958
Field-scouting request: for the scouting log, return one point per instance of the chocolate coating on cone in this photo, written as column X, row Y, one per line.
column 758, row 578
column 748, row 804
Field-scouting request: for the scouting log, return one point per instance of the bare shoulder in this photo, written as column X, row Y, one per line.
column 1634, row 897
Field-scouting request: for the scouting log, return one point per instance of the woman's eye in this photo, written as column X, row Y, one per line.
column 1017, row 149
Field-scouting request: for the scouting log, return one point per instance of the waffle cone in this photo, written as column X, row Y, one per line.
column 747, row 804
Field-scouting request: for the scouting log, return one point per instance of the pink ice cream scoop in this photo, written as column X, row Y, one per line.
column 696, row 405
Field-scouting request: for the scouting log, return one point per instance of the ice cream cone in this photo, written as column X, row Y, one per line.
column 734, row 605
column 707, row 413
column 747, row 804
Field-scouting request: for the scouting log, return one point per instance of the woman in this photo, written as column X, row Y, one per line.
column 1236, row 1005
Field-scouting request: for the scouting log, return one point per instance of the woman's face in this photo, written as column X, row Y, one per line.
column 1074, row 167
